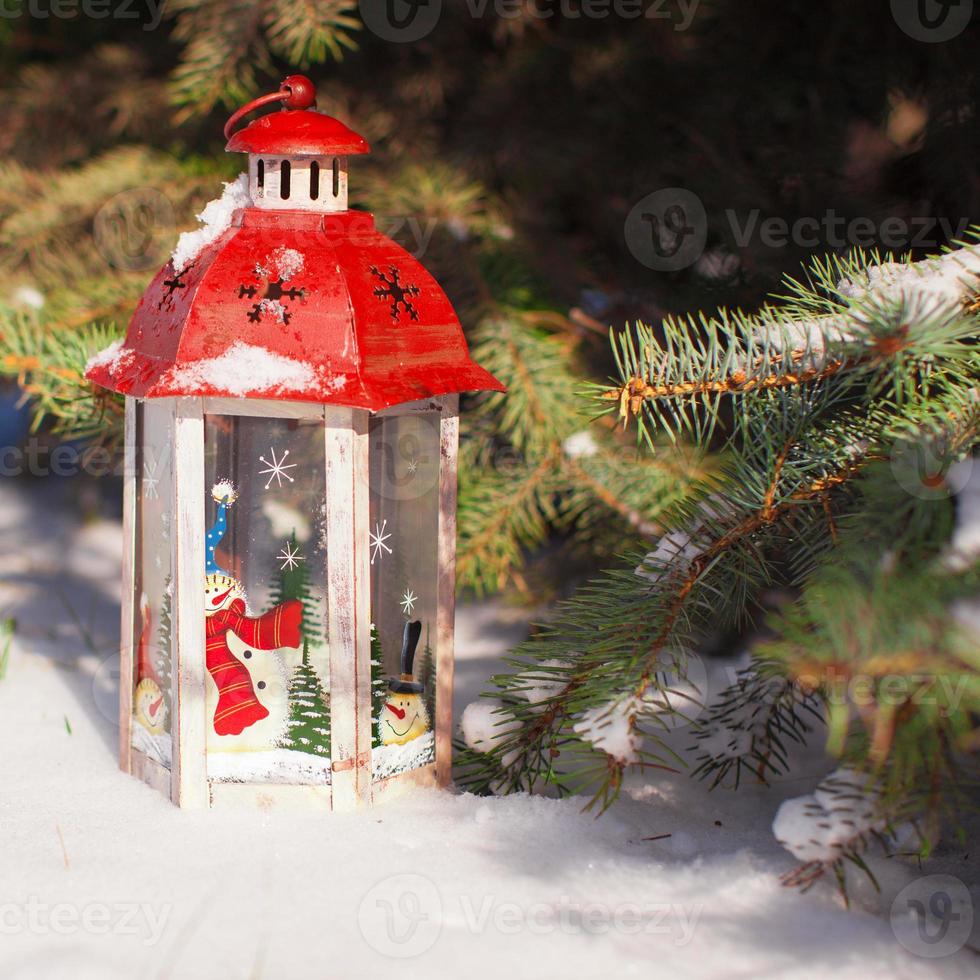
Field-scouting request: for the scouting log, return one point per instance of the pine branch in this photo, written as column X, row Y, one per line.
column 50, row 367
column 795, row 453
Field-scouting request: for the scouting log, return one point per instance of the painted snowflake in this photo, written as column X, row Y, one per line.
column 290, row 557
column 276, row 469
column 392, row 289
column 378, row 544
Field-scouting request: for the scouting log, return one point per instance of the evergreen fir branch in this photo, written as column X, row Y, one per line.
column 878, row 328
column 492, row 536
column 50, row 367
column 223, row 46
column 795, row 454
column 749, row 725
column 536, row 414
column 304, row 32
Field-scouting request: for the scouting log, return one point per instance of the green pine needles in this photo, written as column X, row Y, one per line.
column 838, row 414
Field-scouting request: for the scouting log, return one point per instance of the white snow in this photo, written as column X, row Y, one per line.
column 611, row 728
column 244, row 368
column 224, row 490
column 283, row 263
column 215, row 220
column 28, row 296
column 543, row 681
column 964, row 549
column 941, row 284
column 673, row 882
column 274, row 308
column 271, row 766
column 821, row 825
column 114, row 357
column 722, row 741
column 389, row 760
column 483, row 723
column 674, row 546
column 580, row 444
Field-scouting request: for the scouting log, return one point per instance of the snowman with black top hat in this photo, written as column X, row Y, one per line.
column 404, row 716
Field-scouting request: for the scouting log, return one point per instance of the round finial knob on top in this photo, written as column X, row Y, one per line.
column 296, row 92
column 300, row 92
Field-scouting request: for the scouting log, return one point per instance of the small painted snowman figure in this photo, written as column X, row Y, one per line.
column 270, row 680
column 248, row 701
column 149, row 706
column 404, row 716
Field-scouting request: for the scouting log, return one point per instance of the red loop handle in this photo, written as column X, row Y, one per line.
column 296, row 92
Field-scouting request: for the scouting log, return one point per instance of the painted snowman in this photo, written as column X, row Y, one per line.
column 149, row 706
column 247, row 699
column 404, row 716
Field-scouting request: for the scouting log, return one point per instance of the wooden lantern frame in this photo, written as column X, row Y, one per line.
column 346, row 486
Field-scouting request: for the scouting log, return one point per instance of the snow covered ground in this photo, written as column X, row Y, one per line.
column 102, row 878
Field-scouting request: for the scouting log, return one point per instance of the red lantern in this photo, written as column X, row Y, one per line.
column 291, row 382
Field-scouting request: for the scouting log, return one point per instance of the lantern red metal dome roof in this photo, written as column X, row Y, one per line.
column 296, row 129
column 296, row 305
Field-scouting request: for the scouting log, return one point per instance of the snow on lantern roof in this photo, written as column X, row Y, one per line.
column 291, row 304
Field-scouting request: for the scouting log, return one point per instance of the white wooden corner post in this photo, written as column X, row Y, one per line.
column 189, row 785
column 446, row 598
column 127, row 624
column 349, row 605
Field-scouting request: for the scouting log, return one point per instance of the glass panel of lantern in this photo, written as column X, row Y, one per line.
column 268, row 703
column 404, row 546
column 153, row 639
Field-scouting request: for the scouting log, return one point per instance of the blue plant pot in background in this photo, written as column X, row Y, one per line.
column 15, row 418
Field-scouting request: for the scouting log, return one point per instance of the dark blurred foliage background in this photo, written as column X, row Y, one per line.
column 521, row 142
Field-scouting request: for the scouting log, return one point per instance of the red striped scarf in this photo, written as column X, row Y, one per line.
column 238, row 707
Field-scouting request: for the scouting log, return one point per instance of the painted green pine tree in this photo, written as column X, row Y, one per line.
column 379, row 686
column 426, row 673
column 308, row 728
column 294, row 583
column 163, row 658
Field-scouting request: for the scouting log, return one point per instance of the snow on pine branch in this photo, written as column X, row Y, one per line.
column 838, row 819
column 748, row 724
column 964, row 548
column 689, row 364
